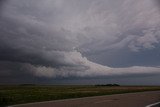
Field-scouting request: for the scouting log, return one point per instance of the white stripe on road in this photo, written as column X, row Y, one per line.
column 153, row 104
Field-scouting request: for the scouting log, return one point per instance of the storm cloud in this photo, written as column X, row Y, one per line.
column 63, row 38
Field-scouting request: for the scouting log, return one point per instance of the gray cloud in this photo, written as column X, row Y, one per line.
column 50, row 38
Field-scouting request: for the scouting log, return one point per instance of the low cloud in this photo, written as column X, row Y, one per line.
column 81, row 67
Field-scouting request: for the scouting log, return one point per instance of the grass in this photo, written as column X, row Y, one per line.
column 10, row 95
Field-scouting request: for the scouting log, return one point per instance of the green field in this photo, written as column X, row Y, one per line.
column 10, row 95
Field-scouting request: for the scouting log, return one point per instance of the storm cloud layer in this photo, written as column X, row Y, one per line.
column 72, row 38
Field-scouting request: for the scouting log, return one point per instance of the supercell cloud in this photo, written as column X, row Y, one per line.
column 78, row 38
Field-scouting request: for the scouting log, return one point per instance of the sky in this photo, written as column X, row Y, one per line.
column 80, row 42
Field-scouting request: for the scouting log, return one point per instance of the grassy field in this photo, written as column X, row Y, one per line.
column 10, row 95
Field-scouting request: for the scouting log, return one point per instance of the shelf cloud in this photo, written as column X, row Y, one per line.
column 64, row 38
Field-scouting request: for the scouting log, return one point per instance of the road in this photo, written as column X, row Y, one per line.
column 141, row 99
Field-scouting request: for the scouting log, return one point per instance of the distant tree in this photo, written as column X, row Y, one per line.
column 109, row 85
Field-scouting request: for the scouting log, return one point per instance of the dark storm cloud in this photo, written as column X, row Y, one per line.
column 25, row 44
column 49, row 38
column 2, row 3
column 157, row 2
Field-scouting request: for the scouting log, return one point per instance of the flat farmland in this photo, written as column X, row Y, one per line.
column 10, row 95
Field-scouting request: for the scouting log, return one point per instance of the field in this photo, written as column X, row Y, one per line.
column 10, row 95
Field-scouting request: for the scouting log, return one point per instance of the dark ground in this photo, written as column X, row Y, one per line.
column 141, row 99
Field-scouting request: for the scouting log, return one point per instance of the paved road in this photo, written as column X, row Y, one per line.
column 121, row 100
column 156, row 105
